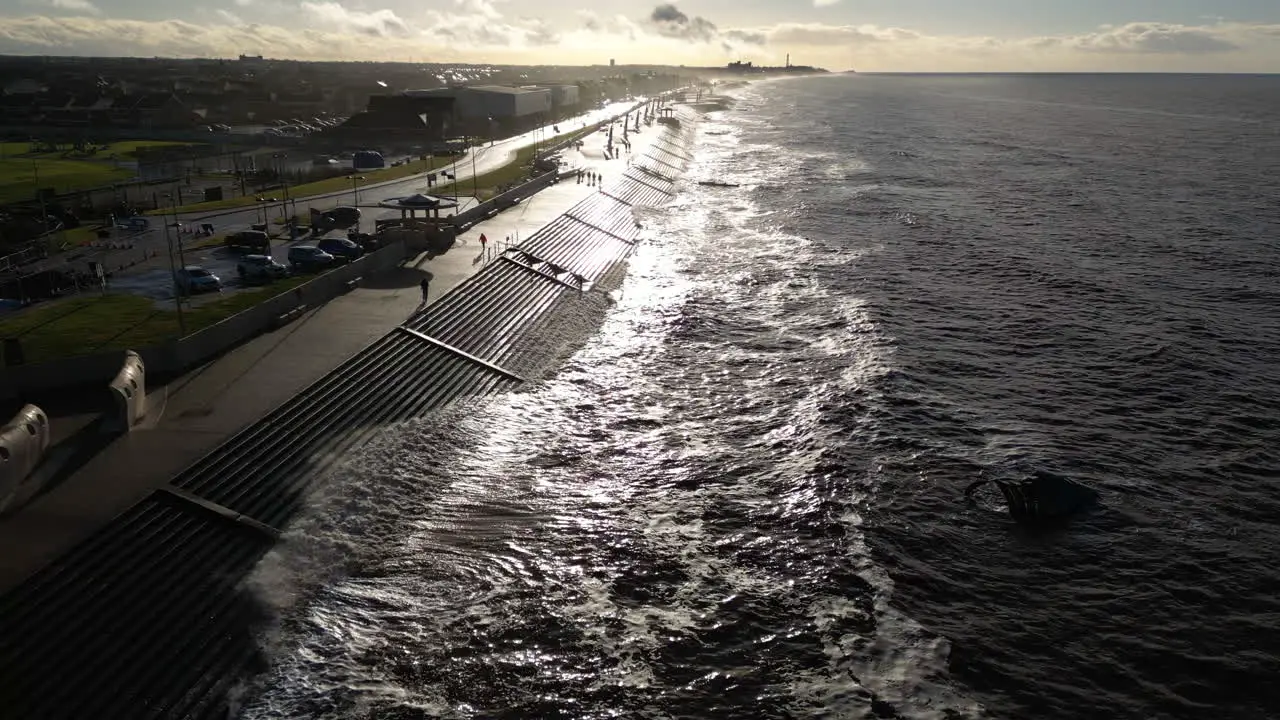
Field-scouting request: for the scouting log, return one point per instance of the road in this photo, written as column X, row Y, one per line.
column 144, row 267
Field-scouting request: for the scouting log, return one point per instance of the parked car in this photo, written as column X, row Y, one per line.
column 261, row 268
column 341, row 248
column 309, row 257
column 136, row 224
column 367, row 242
column 342, row 216
column 194, row 279
column 255, row 241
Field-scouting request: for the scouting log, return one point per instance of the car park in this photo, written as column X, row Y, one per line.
column 194, row 279
column 260, row 268
column 309, row 258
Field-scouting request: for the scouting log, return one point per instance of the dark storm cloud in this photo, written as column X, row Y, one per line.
column 670, row 22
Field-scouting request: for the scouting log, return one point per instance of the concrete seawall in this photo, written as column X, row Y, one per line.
column 166, row 576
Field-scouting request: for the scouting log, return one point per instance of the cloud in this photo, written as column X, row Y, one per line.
column 670, row 22
column 537, row 32
column 482, row 8
column 82, row 6
column 1150, row 38
column 842, row 35
column 1138, row 46
column 591, row 21
column 618, row 26
column 746, row 37
column 824, row 3
column 479, row 31
column 379, row 23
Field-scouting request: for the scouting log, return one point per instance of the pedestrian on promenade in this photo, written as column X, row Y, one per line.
column 426, row 285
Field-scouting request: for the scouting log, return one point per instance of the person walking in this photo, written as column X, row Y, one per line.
column 426, row 285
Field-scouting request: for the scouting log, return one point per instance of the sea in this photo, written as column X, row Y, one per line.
column 741, row 494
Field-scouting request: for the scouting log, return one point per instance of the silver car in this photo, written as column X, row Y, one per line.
column 260, row 268
column 194, row 279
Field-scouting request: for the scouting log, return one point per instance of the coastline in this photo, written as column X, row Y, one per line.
column 184, row 547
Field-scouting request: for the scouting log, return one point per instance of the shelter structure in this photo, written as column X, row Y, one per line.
column 411, row 204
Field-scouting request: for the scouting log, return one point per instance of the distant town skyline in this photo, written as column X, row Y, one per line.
column 869, row 35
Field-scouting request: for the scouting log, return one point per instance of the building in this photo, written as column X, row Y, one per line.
column 486, row 110
column 563, row 97
column 403, row 117
column 499, row 101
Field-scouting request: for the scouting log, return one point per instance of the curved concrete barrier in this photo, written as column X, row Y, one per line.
column 23, row 442
column 129, row 391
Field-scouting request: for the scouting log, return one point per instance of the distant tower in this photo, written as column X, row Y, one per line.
column 788, row 59
column 611, row 62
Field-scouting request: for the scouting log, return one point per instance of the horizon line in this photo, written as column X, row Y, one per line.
column 702, row 68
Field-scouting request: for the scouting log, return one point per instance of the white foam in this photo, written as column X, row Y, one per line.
column 442, row 524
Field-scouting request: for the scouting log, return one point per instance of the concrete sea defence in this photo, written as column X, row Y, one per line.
column 23, row 442
column 147, row 617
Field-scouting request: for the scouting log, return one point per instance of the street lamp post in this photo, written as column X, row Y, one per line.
column 284, row 185
column 177, row 291
column 475, row 192
column 177, row 229
column 44, row 214
column 355, row 189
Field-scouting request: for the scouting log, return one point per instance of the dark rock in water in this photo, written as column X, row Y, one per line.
column 1042, row 497
column 882, row 709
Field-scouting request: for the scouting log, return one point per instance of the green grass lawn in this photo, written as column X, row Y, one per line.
column 489, row 181
column 90, row 323
column 21, row 171
column 486, row 184
column 124, row 149
column 320, row 187
column 18, row 177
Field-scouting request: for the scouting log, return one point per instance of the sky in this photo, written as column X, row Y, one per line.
column 867, row 35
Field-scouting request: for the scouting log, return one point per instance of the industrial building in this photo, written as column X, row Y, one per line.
column 400, row 118
column 441, row 113
column 491, row 101
column 488, row 110
column 562, row 96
